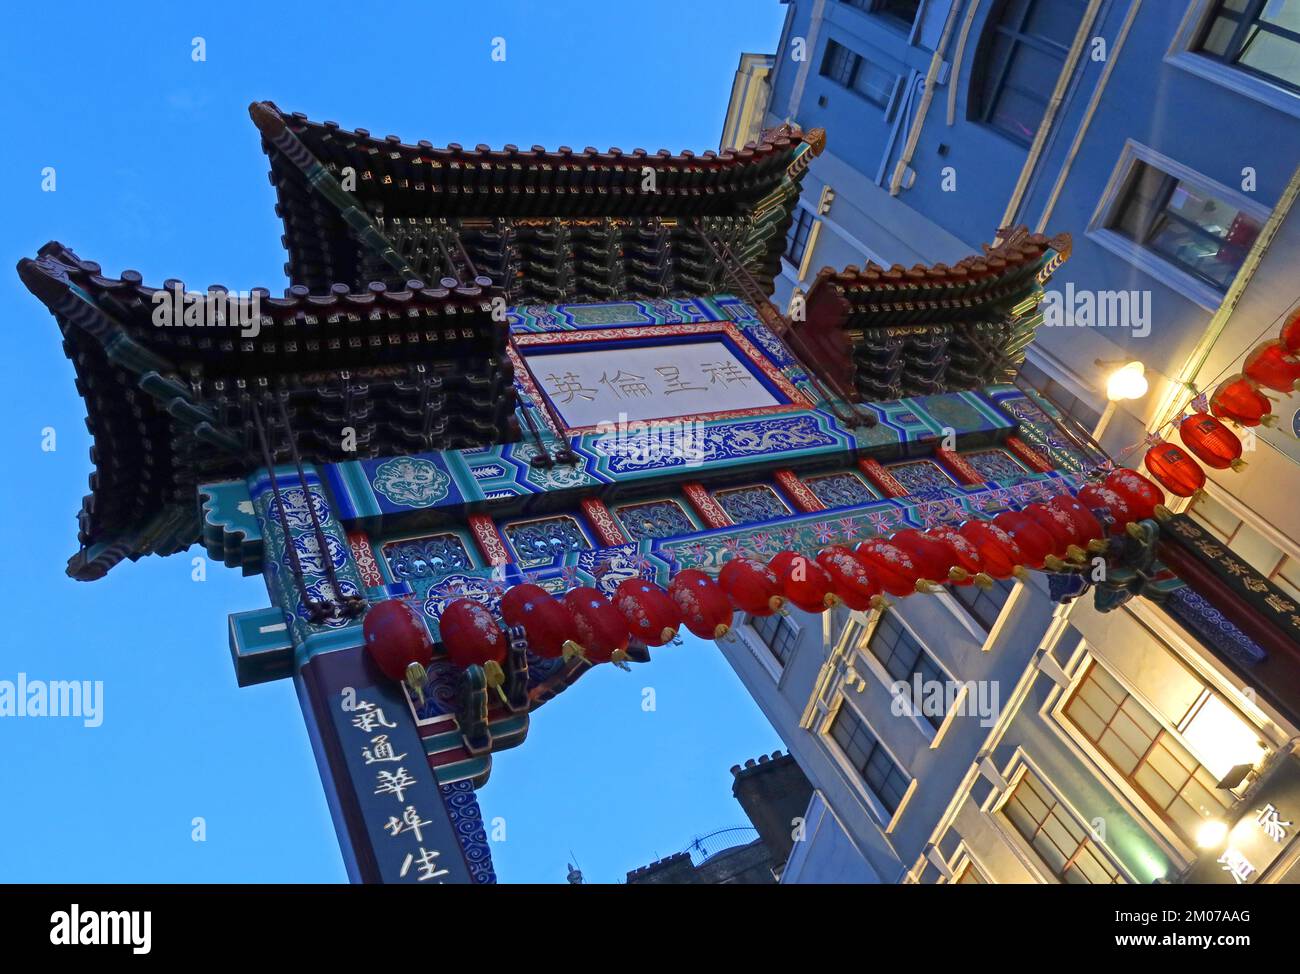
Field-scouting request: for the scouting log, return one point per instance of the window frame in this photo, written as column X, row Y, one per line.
column 988, row 80
column 793, row 242
column 980, row 593
column 1185, row 53
column 887, row 819
column 785, row 626
column 1018, row 768
column 1149, row 261
column 855, row 63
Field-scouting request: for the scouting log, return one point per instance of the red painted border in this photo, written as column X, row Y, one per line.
column 709, row 510
column 490, row 543
column 1032, row 458
column 882, row 478
column 603, row 524
column 798, row 492
column 958, row 466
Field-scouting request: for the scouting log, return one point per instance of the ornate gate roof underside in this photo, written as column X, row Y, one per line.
column 894, row 332
column 548, row 227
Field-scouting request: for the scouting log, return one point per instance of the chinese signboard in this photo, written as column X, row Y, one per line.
column 394, row 816
column 1262, row 833
column 641, row 383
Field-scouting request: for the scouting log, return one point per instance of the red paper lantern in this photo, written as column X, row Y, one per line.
column 1001, row 555
column 965, row 556
column 472, row 637
column 705, row 609
column 547, row 623
column 1290, row 334
column 651, row 615
column 851, row 581
column 935, row 560
column 602, row 630
column 399, row 643
column 1238, row 399
column 1211, row 442
column 1085, row 522
column 891, row 566
column 1099, row 497
column 752, row 586
column 1034, row 541
column 805, row 584
column 1175, row 470
column 1066, row 541
column 1273, row 367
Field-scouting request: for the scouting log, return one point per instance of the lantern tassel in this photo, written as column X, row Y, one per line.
column 1076, row 554
column 496, row 677
column 1054, row 564
column 1096, row 546
column 721, row 631
column 1162, row 513
column 416, row 678
column 619, row 658
column 1238, row 465
column 572, row 649
column 958, row 574
column 831, row 600
column 1021, row 573
column 927, row 586
column 983, row 581
column 880, row 603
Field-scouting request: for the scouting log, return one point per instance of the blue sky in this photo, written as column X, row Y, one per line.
column 158, row 168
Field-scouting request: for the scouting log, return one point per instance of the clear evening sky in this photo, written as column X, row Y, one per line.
column 158, row 168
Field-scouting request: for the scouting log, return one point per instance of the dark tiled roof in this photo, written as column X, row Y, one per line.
column 898, row 331
column 547, row 226
column 169, row 407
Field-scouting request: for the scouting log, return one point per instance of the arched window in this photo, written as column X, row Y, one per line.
column 1018, row 61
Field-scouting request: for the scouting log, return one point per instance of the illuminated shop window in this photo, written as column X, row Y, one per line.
column 1062, row 842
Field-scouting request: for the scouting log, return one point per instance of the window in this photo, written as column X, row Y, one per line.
column 779, row 634
column 1147, row 756
column 796, row 240
column 1062, row 842
column 1019, row 60
column 856, row 73
column 864, row 751
column 1261, row 37
column 984, row 606
column 903, row 11
column 903, row 658
column 1184, row 225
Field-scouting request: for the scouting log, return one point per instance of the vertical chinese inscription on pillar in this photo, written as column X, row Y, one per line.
column 405, row 819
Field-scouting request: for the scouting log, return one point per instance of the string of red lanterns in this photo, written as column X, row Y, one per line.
column 1239, row 399
column 585, row 624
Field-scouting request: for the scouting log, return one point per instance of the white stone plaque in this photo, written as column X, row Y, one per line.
column 640, row 383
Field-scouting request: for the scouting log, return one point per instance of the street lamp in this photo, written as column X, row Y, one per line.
column 1129, row 381
column 1211, row 833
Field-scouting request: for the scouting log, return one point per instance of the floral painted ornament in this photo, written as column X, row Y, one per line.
column 1066, row 539
column 935, row 560
column 651, row 615
column 892, row 567
column 805, row 584
column 965, row 556
column 472, row 637
column 399, row 643
column 752, row 587
column 1034, row 542
column 601, row 627
column 549, row 626
column 850, row 580
column 1085, row 522
column 705, row 609
column 1001, row 555
column 1099, row 497
column 1140, row 494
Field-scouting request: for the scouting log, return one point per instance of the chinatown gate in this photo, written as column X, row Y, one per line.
column 557, row 367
